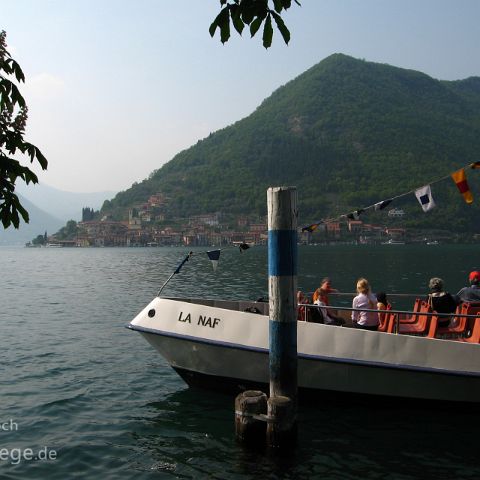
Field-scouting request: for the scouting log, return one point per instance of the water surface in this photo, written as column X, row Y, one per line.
column 78, row 383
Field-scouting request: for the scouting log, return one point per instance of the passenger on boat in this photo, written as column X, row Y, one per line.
column 302, row 300
column 441, row 301
column 323, row 290
column 328, row 317
column 471, row 293
column 382, row 304
column 364, row 300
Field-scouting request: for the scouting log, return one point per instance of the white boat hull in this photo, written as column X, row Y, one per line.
column 226, row 348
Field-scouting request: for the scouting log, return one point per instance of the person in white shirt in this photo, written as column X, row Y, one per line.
column 364, row 300
column 328, row 317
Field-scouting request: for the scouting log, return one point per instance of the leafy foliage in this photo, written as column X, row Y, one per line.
column 253, row 13
column 40, row 239
column 13, row 119
column 347, row 133
column 68, row 232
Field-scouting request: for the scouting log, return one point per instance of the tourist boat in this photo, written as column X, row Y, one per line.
column 225, row 344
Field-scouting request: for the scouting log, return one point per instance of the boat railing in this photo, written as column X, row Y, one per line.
column 398, row 295
column 397, row 315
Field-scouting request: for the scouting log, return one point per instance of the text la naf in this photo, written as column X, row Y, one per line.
column 203, row 320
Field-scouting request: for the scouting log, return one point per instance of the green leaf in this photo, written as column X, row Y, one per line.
column 14, row 217
column 18, row 71
column 16, row 95
column 224, row 24
column 253, row 9
column 268, row 32
column 214, row 25
column 41, row 159
column 278, row 5
column 222, row 21
column 281, row 27
column 22, row 211
column 255, row 25
column 236, row 18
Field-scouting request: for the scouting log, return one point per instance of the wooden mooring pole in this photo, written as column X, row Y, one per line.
column 282, row 288
column 250, row 417
column 275, row 421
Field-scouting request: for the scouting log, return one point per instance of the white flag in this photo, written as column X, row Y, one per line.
column 424, row 196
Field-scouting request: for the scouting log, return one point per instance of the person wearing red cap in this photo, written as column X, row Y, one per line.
column 471, row 293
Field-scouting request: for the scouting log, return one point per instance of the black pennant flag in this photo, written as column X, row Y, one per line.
column 243, row 246
column 214, row 255
column 383, row 204
column 356, row 214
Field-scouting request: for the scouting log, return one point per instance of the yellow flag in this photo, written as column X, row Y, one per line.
column 460, row 180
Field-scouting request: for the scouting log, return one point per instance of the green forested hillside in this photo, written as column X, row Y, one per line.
column 347, row 133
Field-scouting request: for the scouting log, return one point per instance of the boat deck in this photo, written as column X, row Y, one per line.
column 418, row 323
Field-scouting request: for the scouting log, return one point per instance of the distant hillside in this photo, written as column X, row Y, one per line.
column 61, row 204
column 347, row 133
column 40, row 222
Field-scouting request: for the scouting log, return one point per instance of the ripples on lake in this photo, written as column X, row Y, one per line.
column 76, row 381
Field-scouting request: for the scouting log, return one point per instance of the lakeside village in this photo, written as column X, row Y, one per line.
column 147, row 227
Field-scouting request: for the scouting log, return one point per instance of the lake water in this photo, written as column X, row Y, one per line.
column 94, row 400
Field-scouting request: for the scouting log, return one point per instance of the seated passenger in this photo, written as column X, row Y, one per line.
column 441, row 301
column 471, row 293
column 302, row 300
column 328, row 317
column 382, row 304
column 364, row 300
column 322, row 291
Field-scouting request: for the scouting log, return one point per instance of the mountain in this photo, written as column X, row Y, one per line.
column 40, row 222
column 348, row 133
column 61, row 204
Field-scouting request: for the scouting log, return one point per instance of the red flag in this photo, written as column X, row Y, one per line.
column 460, row 180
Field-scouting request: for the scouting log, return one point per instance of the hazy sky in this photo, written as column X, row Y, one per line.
column 116, row 88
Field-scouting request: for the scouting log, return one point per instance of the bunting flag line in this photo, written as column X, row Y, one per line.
column 243, row 246
column 214, row 255
column 311, row 228
column 182, row 263
column 381, row 205
column 177, row 271
column 460, row 179
column 355, row 215
column 424, row 196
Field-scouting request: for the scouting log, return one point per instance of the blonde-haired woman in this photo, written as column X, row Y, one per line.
column 364, row 300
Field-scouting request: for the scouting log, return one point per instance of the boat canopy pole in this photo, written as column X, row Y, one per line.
column 177, row 270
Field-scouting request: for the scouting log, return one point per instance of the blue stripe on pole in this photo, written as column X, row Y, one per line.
column 282, row 252
column 283, row 355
